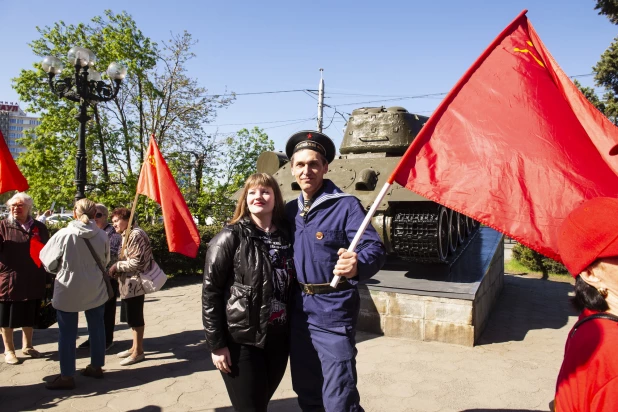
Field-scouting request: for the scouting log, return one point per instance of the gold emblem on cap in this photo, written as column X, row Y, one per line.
column 319, row 236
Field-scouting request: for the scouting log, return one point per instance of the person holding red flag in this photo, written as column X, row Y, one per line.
column 22, row 278
column 514, row 145
column 134, row 260
column 588, row 245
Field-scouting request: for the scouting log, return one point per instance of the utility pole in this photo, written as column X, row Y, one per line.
column 320, row 101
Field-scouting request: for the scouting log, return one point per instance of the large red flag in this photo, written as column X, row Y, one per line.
column 10, row 176
column 156, row 182
column 514, row 145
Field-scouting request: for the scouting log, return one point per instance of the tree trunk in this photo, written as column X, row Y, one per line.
column 199, row 171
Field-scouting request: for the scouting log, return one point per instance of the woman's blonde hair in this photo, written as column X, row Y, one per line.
column 264, row 180
column 85, row 209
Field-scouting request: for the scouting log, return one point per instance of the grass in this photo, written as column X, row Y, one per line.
column 514, row 267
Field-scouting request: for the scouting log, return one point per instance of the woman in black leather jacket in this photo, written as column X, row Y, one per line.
column 247, row 278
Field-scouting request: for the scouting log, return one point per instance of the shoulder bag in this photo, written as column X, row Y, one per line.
column 601, row 315
column 108, row 284
column 154, row 279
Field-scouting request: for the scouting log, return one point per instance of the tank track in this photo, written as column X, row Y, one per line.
column 416, row 234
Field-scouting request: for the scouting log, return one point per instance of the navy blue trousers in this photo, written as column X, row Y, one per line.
column 323, row 365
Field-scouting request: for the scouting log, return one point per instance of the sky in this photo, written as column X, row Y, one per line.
column 369, row 50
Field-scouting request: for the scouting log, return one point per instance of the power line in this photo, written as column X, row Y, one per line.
column 394, row 99
column 254, row 93
column 251, row 123
column 311, row 92
column 289, row 124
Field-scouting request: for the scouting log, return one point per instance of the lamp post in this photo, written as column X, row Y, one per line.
column 87, row 89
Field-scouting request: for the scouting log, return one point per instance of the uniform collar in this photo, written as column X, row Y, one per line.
column 328, row 191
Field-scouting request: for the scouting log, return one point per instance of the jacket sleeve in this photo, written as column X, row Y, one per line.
column 370, row 250
column 137, row 256
column 218, row 270
column 43, row 233
column 51, row 254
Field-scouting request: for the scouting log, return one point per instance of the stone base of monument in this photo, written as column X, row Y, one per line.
column 434, row 302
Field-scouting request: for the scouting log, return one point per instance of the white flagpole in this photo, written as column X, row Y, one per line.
column 363, row 226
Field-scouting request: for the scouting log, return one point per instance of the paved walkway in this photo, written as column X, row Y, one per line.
column 513, row 368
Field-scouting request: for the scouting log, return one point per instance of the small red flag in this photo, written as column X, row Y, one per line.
column 156, row 182
column 10, row 176
column 36, row 246
column 514, row 145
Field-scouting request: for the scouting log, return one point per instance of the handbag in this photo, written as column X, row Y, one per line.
column 154, row 279
column 46, row 313
column 108, row 284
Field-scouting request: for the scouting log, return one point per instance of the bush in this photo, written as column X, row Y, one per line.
column 535, row 261
column 175, row 264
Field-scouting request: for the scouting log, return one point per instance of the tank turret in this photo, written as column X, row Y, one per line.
column 411, row 226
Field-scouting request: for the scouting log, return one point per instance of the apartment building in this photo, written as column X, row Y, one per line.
column 15, row 124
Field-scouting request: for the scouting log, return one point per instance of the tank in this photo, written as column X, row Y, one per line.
column 412, row 227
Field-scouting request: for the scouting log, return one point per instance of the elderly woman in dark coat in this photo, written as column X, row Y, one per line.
column 22, row 278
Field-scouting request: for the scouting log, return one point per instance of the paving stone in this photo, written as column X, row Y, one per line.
column 513, row 367
column 129, row 400
column 91, row 403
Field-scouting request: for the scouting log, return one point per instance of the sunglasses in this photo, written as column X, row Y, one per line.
column 98, row 215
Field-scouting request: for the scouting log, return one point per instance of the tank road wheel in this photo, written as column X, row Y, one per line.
column 461, row 228
column 443, row 233
column 469, row 225
column 477, row 224
column 452, row 234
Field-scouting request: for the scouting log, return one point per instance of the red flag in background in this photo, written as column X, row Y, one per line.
column 514, row 145
column 10, row 176
column 156, row 182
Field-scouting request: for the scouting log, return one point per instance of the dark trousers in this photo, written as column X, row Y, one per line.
column 323, row 364
column 256, row 373
column 110, row 319
column 110, row 314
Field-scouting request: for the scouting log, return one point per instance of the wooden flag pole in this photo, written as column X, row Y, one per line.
column 127, row 231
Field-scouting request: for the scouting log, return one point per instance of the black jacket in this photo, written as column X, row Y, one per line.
column 237, row 289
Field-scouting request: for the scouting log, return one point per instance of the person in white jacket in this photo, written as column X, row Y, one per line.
column 79, row 286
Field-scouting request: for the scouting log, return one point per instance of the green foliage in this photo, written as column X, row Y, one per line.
column 174, row 264
column 157, row 97
column 535, row 261
column 608, row 8
column 238, row 160
column 606, row 75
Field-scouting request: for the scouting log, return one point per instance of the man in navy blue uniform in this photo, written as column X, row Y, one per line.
column 323, row 318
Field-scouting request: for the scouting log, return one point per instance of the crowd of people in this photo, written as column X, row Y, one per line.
column 87, row 267
column 266, row 294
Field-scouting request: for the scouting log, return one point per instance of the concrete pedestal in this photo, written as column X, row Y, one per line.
column 436, row 302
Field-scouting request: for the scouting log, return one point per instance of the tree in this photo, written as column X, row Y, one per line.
column 236, row 161
column 608, row 8
column 157, row 97
column 606, row 70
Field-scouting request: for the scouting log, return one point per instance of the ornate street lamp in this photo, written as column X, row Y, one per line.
column 86, row 88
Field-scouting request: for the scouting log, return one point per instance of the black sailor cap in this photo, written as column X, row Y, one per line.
column 312, row 140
